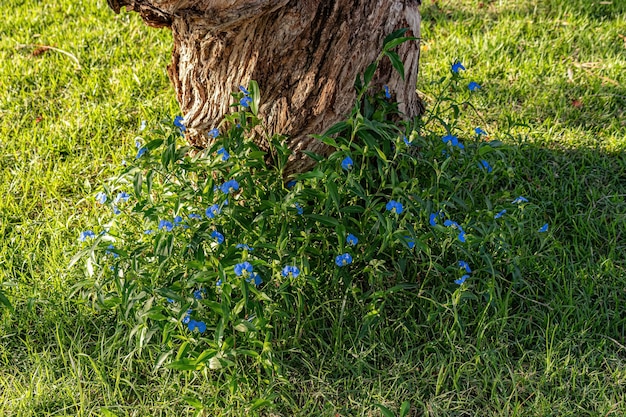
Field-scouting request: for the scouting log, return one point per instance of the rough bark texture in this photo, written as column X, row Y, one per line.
column 304, row 54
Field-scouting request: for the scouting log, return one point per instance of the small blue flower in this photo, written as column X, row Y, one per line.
column 101, row 198
column 347, row 163
column 243, row 90
column 199, row 294
column 519, row 200
column 485, row 165
column 255, row 279
column 243, row 268
column 454, row 141
column 244, row 247
column 410, row 242
column 218, row 283
column 141, row 152
column 137, row 143
column 294, row 271
column 299, row 209
column 457, row 66
column 116, row 210
column 500, row 214
column 110, row 250
column 473, row 86
column 212, row 211
column 450, row 223
column 195, row 216
column 461, row 280
column 122, row 196
column 343, row 260
column 225, row 155
column 167, row 225
column 543, row 228
column 179, row 122
column 200, row 325
column 245, row 102
column 213, row 133
column 352, row 240
column 406, row 141
column 217, row 236
column 479, row 131
column 465, row 265
column 291, row 184
column 462, row 236
column 178, row 221
column 187, row 317
column 433, row 219
column 394, row 207
column 148, row 232
column 230, row 185
column 387, row 93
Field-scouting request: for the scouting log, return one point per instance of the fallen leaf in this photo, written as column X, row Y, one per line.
column 41, row 50
column 38, row 119
column 577, row 103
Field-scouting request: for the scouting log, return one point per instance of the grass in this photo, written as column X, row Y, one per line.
column 553, row 76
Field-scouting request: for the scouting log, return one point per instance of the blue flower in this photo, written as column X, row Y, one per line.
column 465, row 265
column 187, row 317
column 500, row 214
column 200, row 325
column 225, row 155
column 450, row 223
column 245, row 101
column 212, row 211
column 178, row 221
column 195, row 216
column 110, row 250
column 243, row 90
column 148, row 232
column 347, row 163
column 387, row 93
column 479, row 131
column 218, row 283
column 394, row 207
column 544, row 228
column 473, row 86
column 299, row 208
column 167, row 225
column 457, row 66
column 461, row 280
column 519, row 200
column 255, row 279
column 123, row 197
column 433, row 219
column 213, row 133
column 244, row 247
column 137, row 143
column 352, row 240
column 116, row 210
column 243, row 268
column 343, row 260
column 485, row 165
column 141, row 152
column 406, row 141
column 179, row 123
column 291, row 184
column 101, row 198
column 199, row 294
column 294, row 271
column 462, row 236
column 217, row 236
column 454, row 141
column 410, row 242
column 230, row 185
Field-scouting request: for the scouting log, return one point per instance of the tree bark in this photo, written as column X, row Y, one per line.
column 304, row 54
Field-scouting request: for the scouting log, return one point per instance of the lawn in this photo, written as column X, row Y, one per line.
column 76, row 82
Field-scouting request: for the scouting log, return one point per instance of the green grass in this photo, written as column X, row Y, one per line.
column 552, row 342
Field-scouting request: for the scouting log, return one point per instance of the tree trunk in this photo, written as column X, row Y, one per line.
column 304, row 54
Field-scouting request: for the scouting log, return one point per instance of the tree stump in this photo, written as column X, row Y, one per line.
column 304, row 54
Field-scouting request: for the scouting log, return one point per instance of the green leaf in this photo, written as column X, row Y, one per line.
column 396, row 62
column 326, row 220
column 255, row 95
column 392, row 44
column 369, row 73
column 384, row 410
column 137, row 182
column 394, row 35
column 405, row 408
column 4, row 300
